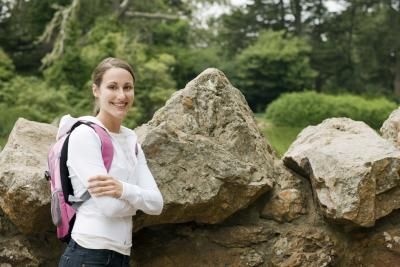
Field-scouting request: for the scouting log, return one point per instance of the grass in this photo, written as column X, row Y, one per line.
column 3, row 141
column 280, row 137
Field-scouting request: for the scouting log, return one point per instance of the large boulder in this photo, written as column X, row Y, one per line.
column 206, row 152
column 354, row 172
column 24, row 192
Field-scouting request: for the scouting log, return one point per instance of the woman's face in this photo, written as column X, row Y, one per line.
column 115, row 94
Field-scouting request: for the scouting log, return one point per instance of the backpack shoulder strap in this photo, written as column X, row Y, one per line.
column 107, row 149
column 107, row 152
column 66, row 184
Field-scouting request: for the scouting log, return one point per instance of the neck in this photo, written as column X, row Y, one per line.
column 113, row 125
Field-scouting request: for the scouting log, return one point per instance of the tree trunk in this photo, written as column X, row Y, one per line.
column 297, row 10
column 350, row 37
column 282, row 14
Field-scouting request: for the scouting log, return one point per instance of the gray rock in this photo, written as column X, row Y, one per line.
column 391, row 128
column 13, row 252
column 199, row 247
column 354, row 172
column 309, row 247
column 6, row 226
column 206, row 152
column 288, row 200
column 263, row 244
column 24, row 192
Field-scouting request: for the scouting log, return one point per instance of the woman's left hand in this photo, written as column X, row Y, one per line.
column 104, row 185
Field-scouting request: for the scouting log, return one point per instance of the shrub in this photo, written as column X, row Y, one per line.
column 7, row 68
column 310, row 108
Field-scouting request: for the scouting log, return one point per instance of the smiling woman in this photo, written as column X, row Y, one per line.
column 113, row 89
column 102, row 232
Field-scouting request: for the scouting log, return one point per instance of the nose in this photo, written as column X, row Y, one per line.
column 121, row 93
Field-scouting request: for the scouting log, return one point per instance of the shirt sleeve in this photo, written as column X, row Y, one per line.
column 144, row 195
column 84, row 161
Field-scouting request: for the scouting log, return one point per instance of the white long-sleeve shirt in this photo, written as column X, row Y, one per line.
column 106, row 222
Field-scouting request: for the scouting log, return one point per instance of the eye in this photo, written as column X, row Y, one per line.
column 128, row 87
column 112, row 87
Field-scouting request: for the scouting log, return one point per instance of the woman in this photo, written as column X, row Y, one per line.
column 102, row 232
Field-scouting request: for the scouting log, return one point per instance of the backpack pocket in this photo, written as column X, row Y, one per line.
column 56, row 207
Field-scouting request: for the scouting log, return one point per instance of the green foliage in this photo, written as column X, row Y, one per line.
column 32, row 94
column 71, row 69
column 155, row 85
column 378, row 38
column 354, row 50
column 31, row 98
column 101, row 41
column 310, row 108
column 20, row 30
column 191, row 62
column 7, row 67
column 108, row 38
column 273, row 65
column 171, row 34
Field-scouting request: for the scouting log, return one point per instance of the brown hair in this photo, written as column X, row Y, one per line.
column 103, row 66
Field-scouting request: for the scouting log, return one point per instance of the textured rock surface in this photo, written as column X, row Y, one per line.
column 261, row 243
column 288, row 200
column 206, row 152
column 312, row 247
column 13, row 252
column 378, row 247
column 24, row 193
column 354, row 172
column 390, row 129
column 7, row 228
column 245, row 239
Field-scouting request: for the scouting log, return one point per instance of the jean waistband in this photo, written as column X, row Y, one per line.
column 72, row 244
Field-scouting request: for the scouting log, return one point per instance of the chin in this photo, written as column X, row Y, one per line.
column 120, row 116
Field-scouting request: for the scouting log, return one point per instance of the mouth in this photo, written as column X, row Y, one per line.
column 120, row 105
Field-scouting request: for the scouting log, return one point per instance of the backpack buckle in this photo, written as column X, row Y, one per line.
column 47, row 175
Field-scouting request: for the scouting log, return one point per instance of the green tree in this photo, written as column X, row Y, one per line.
column 7, row 68
column 21, row 23
column 377, row 48
column 274, row 64
column 31, row 98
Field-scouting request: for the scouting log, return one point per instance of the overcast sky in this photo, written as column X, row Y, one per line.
column 216, row 10
column 332, row 5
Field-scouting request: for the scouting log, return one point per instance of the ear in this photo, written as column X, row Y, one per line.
column 95, row 90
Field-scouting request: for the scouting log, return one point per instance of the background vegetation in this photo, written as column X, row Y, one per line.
column 349, row 56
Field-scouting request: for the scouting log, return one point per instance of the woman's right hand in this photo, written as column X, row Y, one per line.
column 105, row 185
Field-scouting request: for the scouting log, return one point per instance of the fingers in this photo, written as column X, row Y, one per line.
column 104, row 191
column 102, row 185
column 94, row 184
column 100, row 178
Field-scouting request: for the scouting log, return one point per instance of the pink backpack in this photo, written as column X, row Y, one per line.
column 62, row 208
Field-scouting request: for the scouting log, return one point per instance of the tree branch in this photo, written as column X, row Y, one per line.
column 59, row 22
column 121, row 8
column 151, row 15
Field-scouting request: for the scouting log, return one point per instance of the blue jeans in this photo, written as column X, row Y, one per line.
column 77, row 256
